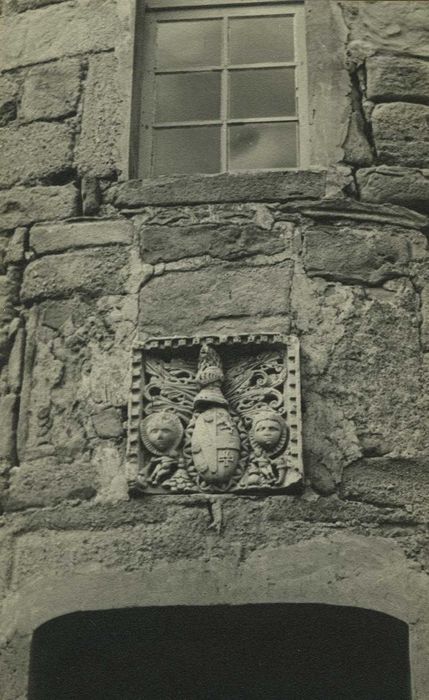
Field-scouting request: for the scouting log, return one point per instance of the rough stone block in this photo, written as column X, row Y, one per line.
column 3, row 249
column 14, row 667
column 226, row 187
column 76, row 367
column 91, row 195
column 7, row 427
column 58, row 30
column 108, row 423
column 387, row 481
column 128, row 547
column 364, row 255
column 9, row 287
column 397, row 77
column 94, row 272
column 6, row 556
column 34, row 152
column 400, row 27
column 164, row 243
column 23, row 5
column 362, row 380
column 46, row 481
column 25, row 205
column 97, row 147
column 55, row 238
column 401, row 133
column 425, row 316
column 214, row 298
column 16, row 248
column 51, row 90
column 8, row 93
column 16, row 357
column 402, row 186
column 357, row 150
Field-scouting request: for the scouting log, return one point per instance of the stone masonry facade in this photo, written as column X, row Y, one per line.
column 89, row 260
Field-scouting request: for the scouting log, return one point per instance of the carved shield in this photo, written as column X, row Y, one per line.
column 215, row 446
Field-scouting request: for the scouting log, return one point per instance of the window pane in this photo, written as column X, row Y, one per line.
column 266, row 92
column 261, row 40
column 253, row 146
column 193, row 149
column 185, row 44
column 187, row 96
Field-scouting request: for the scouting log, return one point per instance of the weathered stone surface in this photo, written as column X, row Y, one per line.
column 387, row 481
column 9, row 299
column 91, row 196
column 164, row 243
column 76, row 367
column 14, row 367
column 402, row 186
column 425, row 316
column 401, row 26
column 25, row 205
column 16, row 248
column 56, row 31
column 213, row 299
column 34, row 152
column 361, row 366
column 362, row 254
column 3, row 249
column 401, row 133
column 322, row 480
column 336, row 209
column 8, row 93
column 397, row 78
column 14, row 667
column 7, row 427
column 47, row 481
column 23, row 5
column 51, row 90
column 6, row 554
column 357, row 150
column 229, row 187
column 238, row 512
column 97, row 147
column 108, row 423
column 95, row 272
column 55, row 238
column 127, row 546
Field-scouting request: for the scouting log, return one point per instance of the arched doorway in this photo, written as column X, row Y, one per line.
column 268, row 652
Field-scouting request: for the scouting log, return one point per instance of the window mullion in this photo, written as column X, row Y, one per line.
column 224, row 97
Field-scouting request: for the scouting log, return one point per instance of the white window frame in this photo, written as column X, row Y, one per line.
column 159, row 10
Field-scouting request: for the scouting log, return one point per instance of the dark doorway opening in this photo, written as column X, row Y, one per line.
column 249, row 652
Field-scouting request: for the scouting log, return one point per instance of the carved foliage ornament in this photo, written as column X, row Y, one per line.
column 215, row 415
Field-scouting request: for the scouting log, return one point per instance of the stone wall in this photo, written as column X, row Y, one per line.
column 337, row 255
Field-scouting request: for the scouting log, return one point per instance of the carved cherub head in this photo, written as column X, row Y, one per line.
column 161, row 432
column 269, row 431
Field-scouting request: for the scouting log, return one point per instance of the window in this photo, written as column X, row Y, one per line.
column 223, row 89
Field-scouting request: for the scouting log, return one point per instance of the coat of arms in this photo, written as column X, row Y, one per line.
column 215, row 415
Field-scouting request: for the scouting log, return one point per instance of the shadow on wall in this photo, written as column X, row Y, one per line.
column 248, row 652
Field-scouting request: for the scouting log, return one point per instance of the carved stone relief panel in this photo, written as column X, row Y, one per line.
column 218, row 414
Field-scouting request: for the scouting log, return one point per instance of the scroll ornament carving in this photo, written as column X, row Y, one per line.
column 206, row 429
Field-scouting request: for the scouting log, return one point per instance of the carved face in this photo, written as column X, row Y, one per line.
column 161, row 435
column 161, row 432
column 267, row 433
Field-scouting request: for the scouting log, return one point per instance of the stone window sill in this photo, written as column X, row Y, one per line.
column 274, row 186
